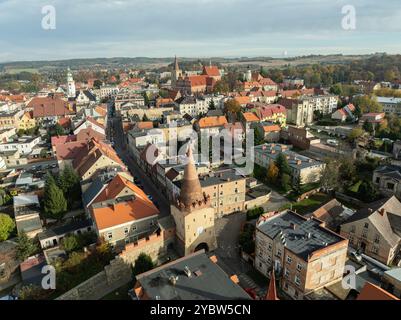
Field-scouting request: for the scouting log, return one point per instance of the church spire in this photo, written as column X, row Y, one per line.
column 176, row 66
column 271, row 291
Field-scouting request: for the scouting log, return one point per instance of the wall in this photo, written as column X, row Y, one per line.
column 114, row 275
column 155, row 246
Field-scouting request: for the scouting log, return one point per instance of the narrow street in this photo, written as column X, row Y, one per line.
column 148, row 185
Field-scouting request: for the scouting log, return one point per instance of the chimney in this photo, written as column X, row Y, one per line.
column 382, row 212
column 187, row 271
column 299, row 162
column 370, row 210
column 293, row 226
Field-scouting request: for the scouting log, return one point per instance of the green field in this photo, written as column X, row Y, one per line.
column 19, row 70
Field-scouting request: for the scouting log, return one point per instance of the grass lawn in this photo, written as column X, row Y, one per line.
column 308, row 205
column 355, row 187
column 119, row 294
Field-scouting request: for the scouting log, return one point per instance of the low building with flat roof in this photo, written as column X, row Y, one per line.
column 193, row 277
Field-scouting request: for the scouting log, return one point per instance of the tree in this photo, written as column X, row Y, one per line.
column 232, row 106
column 272, row 173
column 43, row 153
column 55, row 203
column 282, row 165
column 221, row 86
column 355, row 134
column 97, row 84
column 57, row 130
column 142, row 264
column 367, row 191
column 7, row 226
column 5, row 197
column 212, row 105
column 285, row 182
column 368, row 127
column 246, row 239
column 70, row 243
column 347, row 169
column 32, row 292
column 145, row 118
column 69, row 183
column 337, row 89
column 367, row 104
column 329, row 179
column 25, row 247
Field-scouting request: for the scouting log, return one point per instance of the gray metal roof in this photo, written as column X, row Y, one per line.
column 64, row 229
column 306, row 237
column 207, row 281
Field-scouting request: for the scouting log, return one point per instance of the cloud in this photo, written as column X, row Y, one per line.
column 194, row 27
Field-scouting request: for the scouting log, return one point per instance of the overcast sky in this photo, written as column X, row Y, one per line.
column 196, row 28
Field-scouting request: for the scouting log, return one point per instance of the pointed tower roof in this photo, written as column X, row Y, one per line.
column 191, row 190
column 176, row 66
column 271, row 291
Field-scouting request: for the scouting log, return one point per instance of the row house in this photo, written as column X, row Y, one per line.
column 375, row 230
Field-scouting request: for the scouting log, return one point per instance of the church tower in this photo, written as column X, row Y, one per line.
column 177, row 73
column 71, row 92
column 193, row 214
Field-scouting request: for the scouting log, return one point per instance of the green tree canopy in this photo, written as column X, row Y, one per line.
column 143, row 263
column 232, row 106
column 7, row 226
column 367, row 104
column 55, row 204
column 282, row 165
column 329, row 179
column 25, row 247
column 70, row 243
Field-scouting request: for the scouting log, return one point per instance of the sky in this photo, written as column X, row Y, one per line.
column 196, row 28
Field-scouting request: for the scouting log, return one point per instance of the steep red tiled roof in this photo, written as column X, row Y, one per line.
column 270, row 110
column 271, row 128
column 55, row 140
column 211, row 71
column 373, row 292
column 209, row 122
column 70, row 150
column 88, row 133
column 45, row 107
column 250, row 117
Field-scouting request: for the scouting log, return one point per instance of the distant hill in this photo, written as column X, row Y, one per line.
column 145, row 62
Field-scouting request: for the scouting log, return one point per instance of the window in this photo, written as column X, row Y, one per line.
column 366, row 226
column 270, row 247
column 377, row 238
column 375, row 250
column 299, row 267
column 109, row 235
column 390, row 186
column 289, row 259
column 364, row 234
column 126, row 230
column 278, row 253
column 287, row 273
column 353, row 229
column 297, row 280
